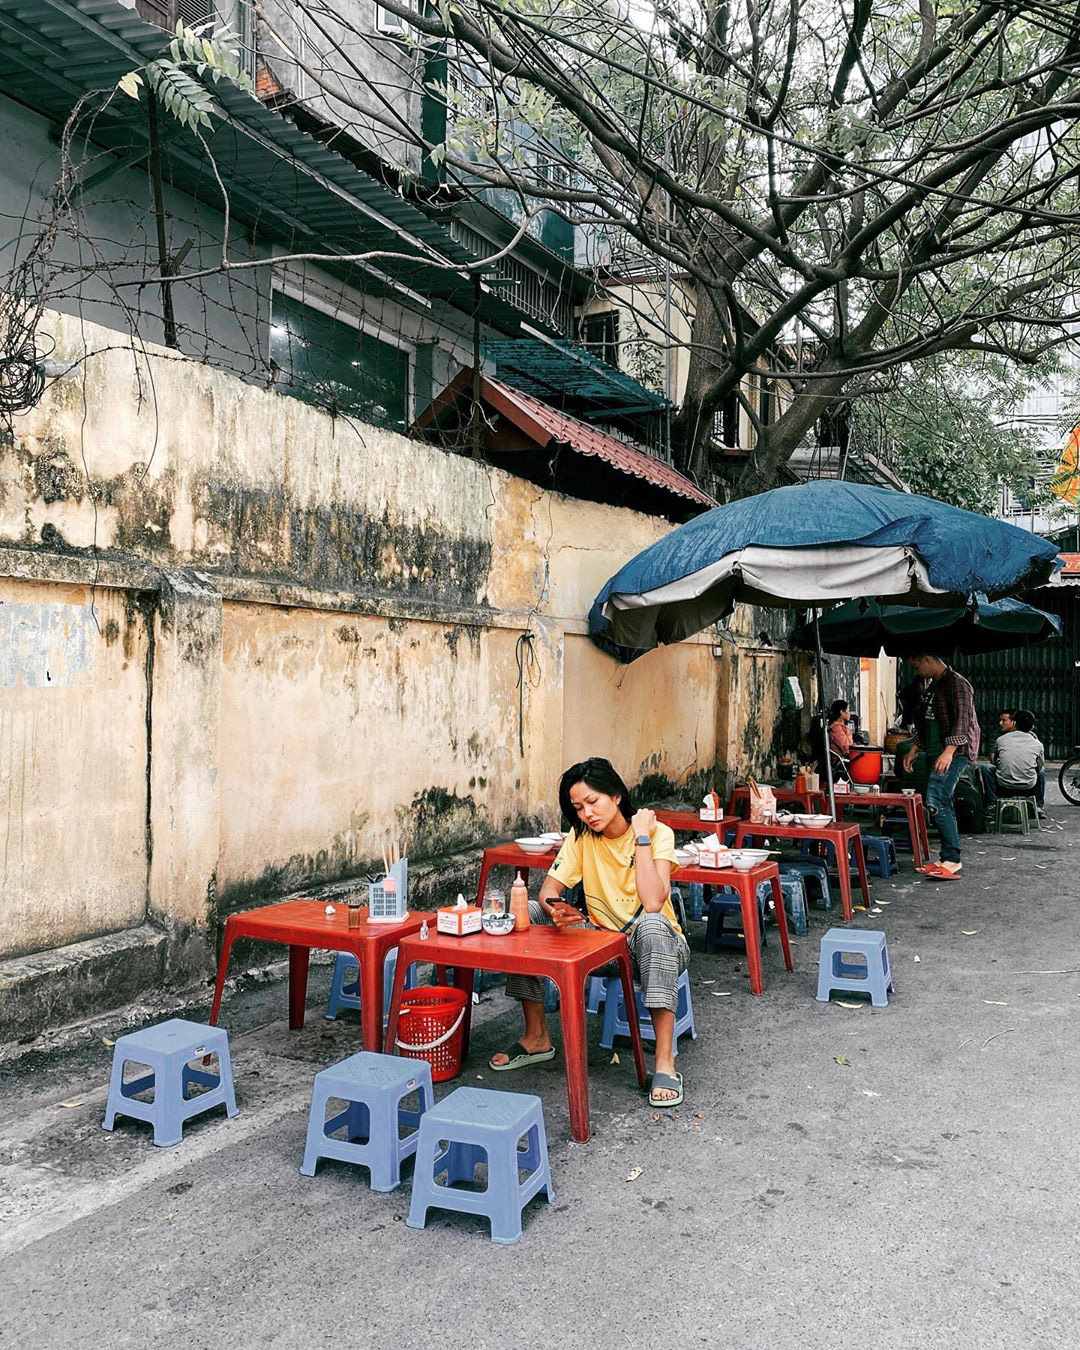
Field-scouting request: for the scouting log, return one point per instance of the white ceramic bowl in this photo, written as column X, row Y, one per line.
column 757, row 854
column 743, row 864
column 534, row 845
column 813, row 821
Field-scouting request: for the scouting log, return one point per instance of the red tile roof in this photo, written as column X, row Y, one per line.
column 545, row 424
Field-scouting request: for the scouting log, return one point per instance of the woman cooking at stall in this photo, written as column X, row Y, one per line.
column 622, row 860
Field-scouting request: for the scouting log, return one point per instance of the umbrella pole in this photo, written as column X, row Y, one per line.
column 824, row 711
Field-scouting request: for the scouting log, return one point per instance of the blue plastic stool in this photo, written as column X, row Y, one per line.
column 482, row 1126
column 879, row 852
column 815, row 877
column 607, row 992
column 724, row 904
column 345, row 986
column 794, row 894
column 897, row 825
column 372, row 1087
column 168, row 1050
column 835, row 975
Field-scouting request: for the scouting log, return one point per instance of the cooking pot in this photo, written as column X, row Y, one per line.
column 864, row 766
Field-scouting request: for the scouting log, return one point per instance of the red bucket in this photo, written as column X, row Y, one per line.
column 431, row 1026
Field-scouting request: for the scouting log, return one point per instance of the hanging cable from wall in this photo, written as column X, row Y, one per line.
column 528, row 672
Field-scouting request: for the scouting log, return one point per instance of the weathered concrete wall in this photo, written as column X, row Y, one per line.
column 332, row 633
column 72, row 763
column 339, row 730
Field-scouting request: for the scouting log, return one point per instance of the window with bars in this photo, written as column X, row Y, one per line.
column 168, row 13
column 551, row 170
column 599, row 334
column 726, row 422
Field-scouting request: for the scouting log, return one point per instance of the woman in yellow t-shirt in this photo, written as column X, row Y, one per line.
column 622, row 858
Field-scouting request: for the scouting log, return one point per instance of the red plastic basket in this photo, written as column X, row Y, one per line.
column 431, row 1026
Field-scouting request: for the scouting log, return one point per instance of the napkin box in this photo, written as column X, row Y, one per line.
column 711, row 813
column 458, row 922
column 714, row 857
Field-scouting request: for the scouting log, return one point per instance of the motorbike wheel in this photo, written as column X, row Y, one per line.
column 1069, row 780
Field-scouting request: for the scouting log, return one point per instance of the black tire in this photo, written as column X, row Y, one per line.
column 1069, row 780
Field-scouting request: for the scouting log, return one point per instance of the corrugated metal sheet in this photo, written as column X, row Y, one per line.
column 281, row 181
column 1044, row 679
column 571, row 377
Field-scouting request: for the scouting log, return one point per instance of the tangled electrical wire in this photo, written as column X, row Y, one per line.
column 22, row 379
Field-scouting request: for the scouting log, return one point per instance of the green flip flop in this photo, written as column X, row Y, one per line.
column 666, row 1082
column 517, row 1057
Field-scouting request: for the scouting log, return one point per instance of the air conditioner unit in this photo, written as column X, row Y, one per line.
column 390, row 24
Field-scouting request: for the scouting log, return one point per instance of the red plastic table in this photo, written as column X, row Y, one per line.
column 512, row 855
column 840, row 836
column 304, row 924
column 813, row 803
column 567, row 957
column 745, row 885
column 912, row 807
column 691, row 821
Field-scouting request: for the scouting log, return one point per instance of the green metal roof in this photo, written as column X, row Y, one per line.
column 281, row 181
column 570, row 377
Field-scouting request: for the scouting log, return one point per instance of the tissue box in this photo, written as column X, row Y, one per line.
column 458, row 922
column 711, row 813
column 713, row 857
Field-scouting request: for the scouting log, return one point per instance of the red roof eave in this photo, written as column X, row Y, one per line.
column 544, row 424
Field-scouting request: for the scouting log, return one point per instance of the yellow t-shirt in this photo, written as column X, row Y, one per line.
column 605, row 867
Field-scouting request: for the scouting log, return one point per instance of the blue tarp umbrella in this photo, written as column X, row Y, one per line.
column 816, row 544
column 809, row 546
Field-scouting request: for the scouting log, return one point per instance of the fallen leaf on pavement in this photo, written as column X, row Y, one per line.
column 884, row 902
column 843, row 1061
column 841, row 1004
column 867, row 1093
column 875, row 911
column 68, row 1105
column 615, row 1059
column 107, row 1040
column 996, row 1002
column 917, row 958
column 968, row 932
column 708, row 981
column 721, row 993
column 634, row 1173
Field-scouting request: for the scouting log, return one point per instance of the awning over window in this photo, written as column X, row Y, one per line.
column 570, row 377
column 525, row 435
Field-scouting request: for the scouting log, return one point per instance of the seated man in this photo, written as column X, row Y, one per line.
column 1017, row 761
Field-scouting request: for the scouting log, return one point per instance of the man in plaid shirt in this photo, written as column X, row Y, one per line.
column 948, row 731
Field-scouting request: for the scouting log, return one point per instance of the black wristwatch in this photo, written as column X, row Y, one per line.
column 643, row 840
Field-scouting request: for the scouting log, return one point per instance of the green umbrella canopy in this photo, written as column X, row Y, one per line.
column 864, row 627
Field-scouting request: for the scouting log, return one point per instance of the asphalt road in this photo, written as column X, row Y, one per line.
column 923, row 1195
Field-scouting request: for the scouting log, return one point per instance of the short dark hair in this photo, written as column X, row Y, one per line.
column 1024, row 720
column 601, row 776
column 836, row 708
